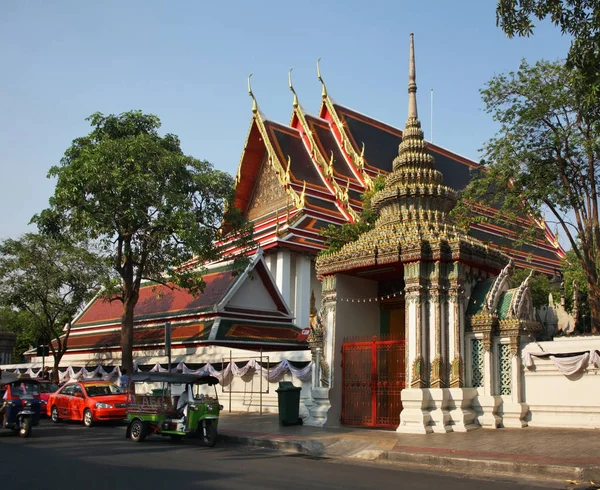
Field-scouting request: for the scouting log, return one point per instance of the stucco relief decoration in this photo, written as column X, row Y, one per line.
column 268, row 194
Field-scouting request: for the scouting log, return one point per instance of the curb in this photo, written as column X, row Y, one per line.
column 427, row 461
column 495, row 467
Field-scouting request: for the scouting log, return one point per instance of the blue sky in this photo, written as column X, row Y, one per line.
column 188, row 62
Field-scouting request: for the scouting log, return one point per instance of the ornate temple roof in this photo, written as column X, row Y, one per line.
column 413, row 207
column 295, row 180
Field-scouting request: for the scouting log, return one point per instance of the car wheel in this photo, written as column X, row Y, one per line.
column 54, row 415
column 138, row 431
column 25, row 429
column 88, row 418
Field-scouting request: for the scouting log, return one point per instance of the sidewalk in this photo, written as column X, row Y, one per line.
column 556, row 454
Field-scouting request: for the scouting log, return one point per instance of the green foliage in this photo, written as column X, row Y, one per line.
column 21, row 324
column 573, row 272
column 543, row 159
column 577, row 18
column 337, row 236
column 149, row 207
column 44, row 282
column 539, row 286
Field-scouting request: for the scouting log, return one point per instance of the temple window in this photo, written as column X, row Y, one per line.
column 504, row 369
column 476, row 363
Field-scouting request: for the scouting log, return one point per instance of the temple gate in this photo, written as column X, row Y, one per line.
column 373, row 372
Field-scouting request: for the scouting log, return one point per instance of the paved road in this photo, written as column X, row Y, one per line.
column 68, row 456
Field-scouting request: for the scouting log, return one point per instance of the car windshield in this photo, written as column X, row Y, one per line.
column 24, row 389
column 47, row 387
column 102, row 390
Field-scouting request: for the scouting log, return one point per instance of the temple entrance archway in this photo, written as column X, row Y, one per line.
column 373, row 374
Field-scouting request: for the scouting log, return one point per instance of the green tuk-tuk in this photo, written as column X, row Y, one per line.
column 172, row 404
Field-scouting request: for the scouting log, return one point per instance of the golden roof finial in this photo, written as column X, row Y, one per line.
column 556, row 242
column 323, row 88
column 287, row 171
column 330, row 166
column 292, row 88
column 412, row 81
column 254, row 104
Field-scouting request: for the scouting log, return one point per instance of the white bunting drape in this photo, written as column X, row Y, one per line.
column 568, row 365
column 224, row 376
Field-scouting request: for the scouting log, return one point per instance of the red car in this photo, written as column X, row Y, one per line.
column 90, row 401
column 46, row 389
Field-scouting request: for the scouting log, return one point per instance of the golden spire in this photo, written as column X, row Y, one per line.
column 412, row 82
column 323, row 88
column 254, row 104
column 292, row 88
column 413, row 151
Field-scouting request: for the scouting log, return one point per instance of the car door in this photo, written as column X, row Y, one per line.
column 62, row 401
column 77, row 403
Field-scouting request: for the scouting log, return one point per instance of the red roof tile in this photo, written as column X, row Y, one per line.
column 157, row 300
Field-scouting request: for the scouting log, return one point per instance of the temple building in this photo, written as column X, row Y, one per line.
column 413, row 326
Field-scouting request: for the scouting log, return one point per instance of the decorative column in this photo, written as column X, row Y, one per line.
column 514, row 411
column 320, row 395
column 488, row 401
column 416, row 400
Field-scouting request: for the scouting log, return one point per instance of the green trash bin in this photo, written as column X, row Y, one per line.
column 288, row 399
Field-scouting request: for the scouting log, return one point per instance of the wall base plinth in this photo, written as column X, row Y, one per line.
column 415, row 417
column 461, row 414
column 440, row 417
column 487, row 411
column 319, row 408
column 513, row 414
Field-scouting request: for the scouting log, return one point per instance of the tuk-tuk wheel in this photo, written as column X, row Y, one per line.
column 25, row 429
column 138, row 431
column 209, row 434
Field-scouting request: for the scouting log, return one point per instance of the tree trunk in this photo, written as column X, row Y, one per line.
column 127, row 333
column 594, row 300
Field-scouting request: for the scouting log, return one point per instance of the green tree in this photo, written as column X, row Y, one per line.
column 50, row 280
column 21, row 324
column 543, row 158
column 577, row 18
column 539, row 285
column 337, row 236
column 149, row 207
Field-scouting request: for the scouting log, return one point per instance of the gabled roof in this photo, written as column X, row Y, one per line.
column 250, row 299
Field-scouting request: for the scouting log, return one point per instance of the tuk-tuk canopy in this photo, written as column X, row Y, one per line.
column 151, row 377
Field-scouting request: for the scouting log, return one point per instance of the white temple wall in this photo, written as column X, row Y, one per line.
column 351, row 319
column 556, row 400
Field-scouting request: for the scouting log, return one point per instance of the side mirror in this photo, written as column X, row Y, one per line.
column 78, row 394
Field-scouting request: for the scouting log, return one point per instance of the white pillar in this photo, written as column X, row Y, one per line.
column 271, row 261
column 302, row 302
column 282, row 274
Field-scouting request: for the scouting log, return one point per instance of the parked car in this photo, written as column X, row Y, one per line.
column 89, row 401
column 46, row 389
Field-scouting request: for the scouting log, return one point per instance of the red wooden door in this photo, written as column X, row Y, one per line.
column 373, row 373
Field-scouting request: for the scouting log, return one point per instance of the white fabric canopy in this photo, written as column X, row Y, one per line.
column 231, row 370
column 566, row 364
